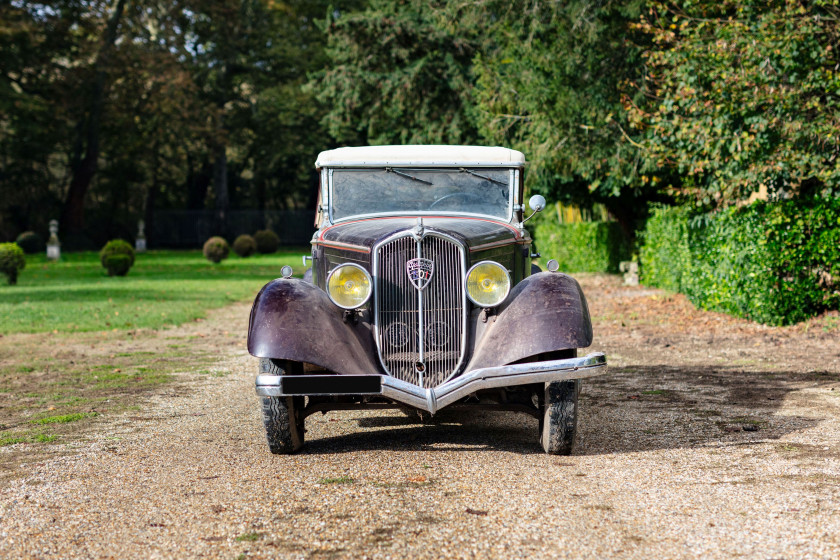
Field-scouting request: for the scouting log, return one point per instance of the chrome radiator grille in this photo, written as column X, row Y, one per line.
column 404, row 314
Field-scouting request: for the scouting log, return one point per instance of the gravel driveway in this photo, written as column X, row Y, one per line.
column 710, row 437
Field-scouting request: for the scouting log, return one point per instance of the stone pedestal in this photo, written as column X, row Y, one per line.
column 140, row 241
column 631, row 272
column 53, row 244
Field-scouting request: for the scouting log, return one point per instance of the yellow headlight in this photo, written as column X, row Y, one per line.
column 488, row 284
column 349, row 286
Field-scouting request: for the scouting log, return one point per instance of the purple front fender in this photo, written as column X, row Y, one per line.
column 546, row 312
column 295, row 320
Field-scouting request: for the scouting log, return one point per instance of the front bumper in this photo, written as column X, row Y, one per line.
column 432, row 400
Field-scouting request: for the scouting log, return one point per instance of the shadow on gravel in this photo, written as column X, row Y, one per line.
column 632, row 409
column 642, row 408
column 446, row 431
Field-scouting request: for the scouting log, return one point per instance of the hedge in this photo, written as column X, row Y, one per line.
column 584, row 246
column 772, row 262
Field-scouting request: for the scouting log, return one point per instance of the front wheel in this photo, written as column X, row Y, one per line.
column 558, row 427
column 283, row 427
column 282, row 416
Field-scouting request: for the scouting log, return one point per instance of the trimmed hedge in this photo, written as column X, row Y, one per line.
column 772, row 262
column 584, row 246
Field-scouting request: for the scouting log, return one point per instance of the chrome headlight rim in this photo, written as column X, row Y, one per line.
column 467, row 280
column 367, row 275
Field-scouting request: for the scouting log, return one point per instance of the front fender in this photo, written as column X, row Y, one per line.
column 545, row 312
column 294, row 320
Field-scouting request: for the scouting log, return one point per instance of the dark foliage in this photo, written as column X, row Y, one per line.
column 31, row 243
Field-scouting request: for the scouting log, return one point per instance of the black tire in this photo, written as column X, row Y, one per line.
column 558, row 427
column 535, row 269
column 283, row 429
column 282, row 416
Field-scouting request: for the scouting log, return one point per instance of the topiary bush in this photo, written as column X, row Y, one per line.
column 216, row 249
column 117, row 256
column 267, row 241
column 244, row 246
column 31, row 242
column 118, row 265
column 12, row 261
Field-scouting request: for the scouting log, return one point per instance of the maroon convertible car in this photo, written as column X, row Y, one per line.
column 421, row 295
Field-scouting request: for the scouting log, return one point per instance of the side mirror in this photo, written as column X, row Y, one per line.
column 537, row 203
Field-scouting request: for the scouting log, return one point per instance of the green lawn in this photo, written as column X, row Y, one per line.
column 163, row 288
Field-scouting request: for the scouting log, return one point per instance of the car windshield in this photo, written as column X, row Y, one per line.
column 402, row 190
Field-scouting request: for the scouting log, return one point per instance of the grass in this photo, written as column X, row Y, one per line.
column 11, row 440
column 64, row 418
column 163, row 288
column 337, row 480
column 248, row 537
column 30, row 437
column 748, row 420
column 100, row 343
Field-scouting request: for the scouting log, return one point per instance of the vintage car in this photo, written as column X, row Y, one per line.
column 421, row 295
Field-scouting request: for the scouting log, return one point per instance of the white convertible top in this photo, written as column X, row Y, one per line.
column 420, row 155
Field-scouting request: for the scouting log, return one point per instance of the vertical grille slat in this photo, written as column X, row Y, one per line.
column 398, row 310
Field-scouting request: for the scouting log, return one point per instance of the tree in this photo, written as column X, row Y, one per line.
column 550, row 79
column 746, row 96
column 85, row 157
column 249, row 59
column 38, row 85
column 401, row 73
column 112, row 108
column 555, row 85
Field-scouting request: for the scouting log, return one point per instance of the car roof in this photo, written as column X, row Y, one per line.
column 421, row 155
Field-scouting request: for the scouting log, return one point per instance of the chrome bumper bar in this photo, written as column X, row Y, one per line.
column 432, row 400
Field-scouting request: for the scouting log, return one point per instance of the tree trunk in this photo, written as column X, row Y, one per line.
column 220, row 187
column 197, row 183
column 84, row 168
column 151, row 200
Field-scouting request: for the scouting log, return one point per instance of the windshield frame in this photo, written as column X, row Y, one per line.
column 514, row 174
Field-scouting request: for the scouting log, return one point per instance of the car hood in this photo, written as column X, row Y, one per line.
column 476, row 233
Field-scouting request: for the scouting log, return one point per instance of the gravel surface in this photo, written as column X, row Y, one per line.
column 710, row 437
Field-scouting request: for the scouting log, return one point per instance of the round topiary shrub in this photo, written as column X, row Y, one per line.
column 267, row 241
column 118, row 265
column 244, row 246
column 117, row 256
column 31, row 242
column 12, row 261
column 216, row 249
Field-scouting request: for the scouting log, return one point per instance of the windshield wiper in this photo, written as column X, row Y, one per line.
column 480, row 176
column 412, row 177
